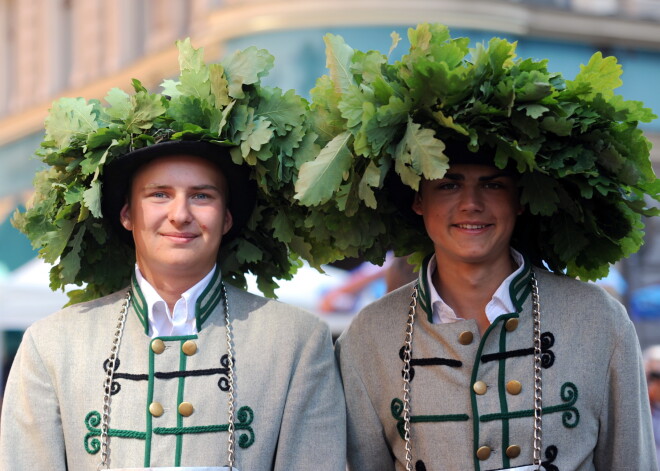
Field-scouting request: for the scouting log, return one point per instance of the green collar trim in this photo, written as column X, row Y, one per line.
column 519, row 289
column 206, row 302
column 209, row 299
column 424, row 293
column 139, row 304
column 521, row 286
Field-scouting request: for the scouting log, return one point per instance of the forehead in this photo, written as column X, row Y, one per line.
column 181, row 167
column 476, row 171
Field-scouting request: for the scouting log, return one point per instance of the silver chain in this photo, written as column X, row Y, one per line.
column 232, row 397
column 407, row 354
column 107, row 384
column 538, row 392
column 538, row 384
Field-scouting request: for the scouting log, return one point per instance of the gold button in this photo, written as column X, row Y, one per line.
column 156, row 409
column 189, row 347
column 513, row 451
column 186, row 409
column 480, row 388
column 514, row 387
column 465, row 338
column 483, row 453
column 511, row 324
column 158, row 346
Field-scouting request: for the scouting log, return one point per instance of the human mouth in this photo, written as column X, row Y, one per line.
column 472, row 226
column 180, row 236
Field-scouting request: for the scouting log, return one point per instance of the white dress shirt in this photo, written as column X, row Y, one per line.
column 162, row 322
column 499, row 304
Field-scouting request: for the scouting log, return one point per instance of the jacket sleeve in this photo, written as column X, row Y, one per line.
column 31, row 435
column 313, row 429
column 625, row 440
column 367, row 447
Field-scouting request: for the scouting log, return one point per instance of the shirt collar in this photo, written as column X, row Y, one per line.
column 508, row 297
column 193, row 308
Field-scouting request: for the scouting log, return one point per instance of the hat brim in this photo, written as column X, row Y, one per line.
column 118, row 175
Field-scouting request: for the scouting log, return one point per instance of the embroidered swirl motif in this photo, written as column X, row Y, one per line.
column 245, row 416
column 571, row 416
column 550, row 453
column 396, row 407
column 92, row 444
column 223, row 382
column 547, row 355
column 115, row 387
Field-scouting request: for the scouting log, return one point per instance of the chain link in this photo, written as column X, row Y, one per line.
column 538, row 383
column 232, row 399
column 107, row 384
column 407, row 356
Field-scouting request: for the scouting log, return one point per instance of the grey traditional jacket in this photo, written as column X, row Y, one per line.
column 472, row 399
column 290, row 412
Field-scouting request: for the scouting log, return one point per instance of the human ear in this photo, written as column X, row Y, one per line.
column 125, row 217
column 229, row 221
column 417, row 204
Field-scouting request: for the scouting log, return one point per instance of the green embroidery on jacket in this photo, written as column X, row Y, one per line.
column 397, row 412
column 92, row 444
column 244, row 416
column 139, row 304
column 521, row 286
column 570, row 415
column 209, row 299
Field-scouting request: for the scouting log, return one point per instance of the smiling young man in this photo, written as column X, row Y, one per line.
column 179, row 369
column 470, row 215
column 505, row 183
column 476, row 391
column 177, row 212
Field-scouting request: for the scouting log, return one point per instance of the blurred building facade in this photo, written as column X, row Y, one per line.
column 53, row 48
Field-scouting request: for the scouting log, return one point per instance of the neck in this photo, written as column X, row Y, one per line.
column 468, row 288
column 171, row 287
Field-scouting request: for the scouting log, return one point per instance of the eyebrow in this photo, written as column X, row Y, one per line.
column 156, row 186
column 485, row 178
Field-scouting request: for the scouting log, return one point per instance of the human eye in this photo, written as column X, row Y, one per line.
column 446, row 185
column 494, row 185
column 201, row 196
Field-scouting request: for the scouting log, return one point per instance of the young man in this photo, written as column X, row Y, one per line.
column 178, row 370
column 489, row 361
column 472, row 371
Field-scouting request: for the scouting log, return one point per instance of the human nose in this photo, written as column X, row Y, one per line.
column 180, row 210
column 471, row 199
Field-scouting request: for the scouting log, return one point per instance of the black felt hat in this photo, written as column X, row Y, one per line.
column 118, row 176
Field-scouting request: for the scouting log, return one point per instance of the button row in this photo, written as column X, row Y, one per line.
column 513, row 387
column 483, row 453
column 185, row 409
column 189, row 347
column 466, row 337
